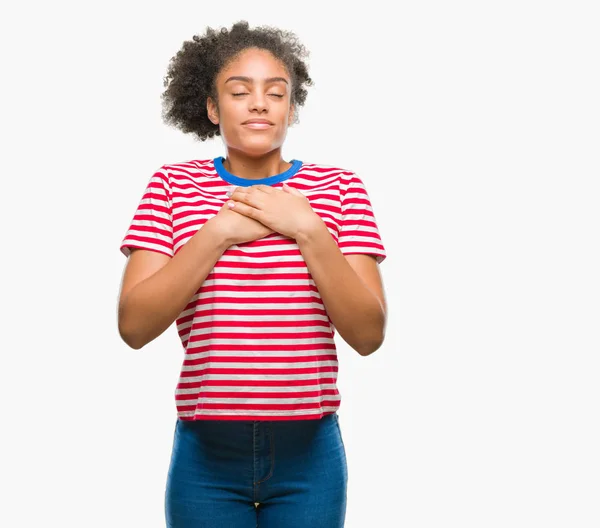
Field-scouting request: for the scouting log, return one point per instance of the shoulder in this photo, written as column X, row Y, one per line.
column 347, row 178
column 328, row 171
column 184, row 172
column 190, row 166
column 324, row 167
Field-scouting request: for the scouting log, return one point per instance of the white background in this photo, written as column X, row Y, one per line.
column 474, row 125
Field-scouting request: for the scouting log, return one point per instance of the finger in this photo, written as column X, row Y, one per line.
column 238, row 190
column 242, row 195
column 292, row 190
column 244, row 209
column 264, row 188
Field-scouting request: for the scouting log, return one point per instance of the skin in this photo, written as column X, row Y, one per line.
column 252, row 153
column 156, row 287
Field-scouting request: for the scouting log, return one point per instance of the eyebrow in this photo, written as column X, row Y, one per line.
column 250, row 80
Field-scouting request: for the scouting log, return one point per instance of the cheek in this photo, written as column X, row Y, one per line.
column 229, row 117
column 281, row 115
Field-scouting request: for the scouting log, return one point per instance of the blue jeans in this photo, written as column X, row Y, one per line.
column 294, row 469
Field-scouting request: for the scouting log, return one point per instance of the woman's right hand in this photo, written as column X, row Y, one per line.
column 236, row 228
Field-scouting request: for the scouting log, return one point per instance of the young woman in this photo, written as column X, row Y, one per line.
column 259, row 261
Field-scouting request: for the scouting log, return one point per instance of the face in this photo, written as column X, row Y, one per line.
column 253, row 87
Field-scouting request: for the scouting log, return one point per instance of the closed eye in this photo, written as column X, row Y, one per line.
column 246, row 93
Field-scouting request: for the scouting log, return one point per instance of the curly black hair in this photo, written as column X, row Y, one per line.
column 192, row 72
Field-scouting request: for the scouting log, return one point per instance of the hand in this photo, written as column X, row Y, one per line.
column 285, row 211
column 236, row 228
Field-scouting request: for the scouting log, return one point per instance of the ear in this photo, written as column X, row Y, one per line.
column 213, row 111
column 291, row 115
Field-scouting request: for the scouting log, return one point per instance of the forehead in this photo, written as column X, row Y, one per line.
column 254, row 63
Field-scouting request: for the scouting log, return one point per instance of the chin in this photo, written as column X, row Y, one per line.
column 257, row 148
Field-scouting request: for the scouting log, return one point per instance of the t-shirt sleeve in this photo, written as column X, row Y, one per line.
column 152, row 226
column 359, row 232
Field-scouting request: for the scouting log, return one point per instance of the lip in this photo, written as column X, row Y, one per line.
column 258, row 124
column 257, row 121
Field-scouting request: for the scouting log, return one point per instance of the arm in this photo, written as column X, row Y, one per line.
column 156, row 288
column 350, row 287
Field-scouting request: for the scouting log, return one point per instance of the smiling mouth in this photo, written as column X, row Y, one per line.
column 258, row 126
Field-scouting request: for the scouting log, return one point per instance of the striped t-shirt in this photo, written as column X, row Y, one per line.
column 258, row 342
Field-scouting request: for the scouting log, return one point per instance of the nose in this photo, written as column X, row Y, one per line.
column 258, row 103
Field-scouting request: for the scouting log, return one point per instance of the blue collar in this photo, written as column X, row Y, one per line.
column 245, row 182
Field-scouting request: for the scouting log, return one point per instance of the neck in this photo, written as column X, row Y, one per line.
column 255, row 168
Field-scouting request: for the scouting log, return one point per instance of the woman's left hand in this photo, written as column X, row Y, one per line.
column 285, row 211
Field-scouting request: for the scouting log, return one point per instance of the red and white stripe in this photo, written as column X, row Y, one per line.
column 258, row 342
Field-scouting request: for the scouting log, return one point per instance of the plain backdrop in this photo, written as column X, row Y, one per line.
column 475, row 127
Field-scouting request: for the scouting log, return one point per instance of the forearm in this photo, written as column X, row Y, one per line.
column 355, row 311
column 153, row 304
